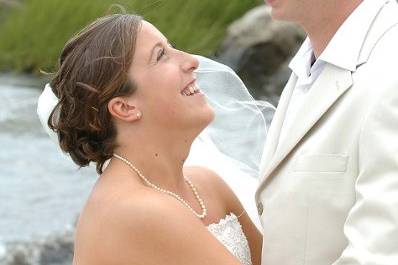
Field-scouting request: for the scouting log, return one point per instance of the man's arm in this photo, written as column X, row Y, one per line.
column 371, row 227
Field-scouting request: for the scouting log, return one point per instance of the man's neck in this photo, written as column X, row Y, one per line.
column 321, row 30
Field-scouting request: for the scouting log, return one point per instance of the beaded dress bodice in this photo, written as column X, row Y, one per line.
column 229, row 232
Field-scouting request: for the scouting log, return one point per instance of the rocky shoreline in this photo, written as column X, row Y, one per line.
column 53, row 250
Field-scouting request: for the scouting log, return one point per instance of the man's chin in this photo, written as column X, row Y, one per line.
column 278, row 14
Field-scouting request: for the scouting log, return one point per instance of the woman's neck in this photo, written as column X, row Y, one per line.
column 159, row 159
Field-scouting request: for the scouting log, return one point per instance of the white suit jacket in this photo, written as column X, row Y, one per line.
column 329, row 192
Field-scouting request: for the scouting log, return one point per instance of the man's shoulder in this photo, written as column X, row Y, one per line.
column 382, row 59
column 382, row 38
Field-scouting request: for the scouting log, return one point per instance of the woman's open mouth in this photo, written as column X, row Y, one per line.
column 191, row 90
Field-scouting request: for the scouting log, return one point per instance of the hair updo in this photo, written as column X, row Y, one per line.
column 92, row 70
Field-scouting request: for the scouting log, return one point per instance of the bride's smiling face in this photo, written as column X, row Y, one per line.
column 165, row 80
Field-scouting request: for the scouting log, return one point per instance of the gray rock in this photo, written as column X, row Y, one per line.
column 6, row 5
column 259, row 48
column 55, row 250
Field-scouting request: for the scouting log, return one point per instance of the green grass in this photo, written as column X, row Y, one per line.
column 33, row 34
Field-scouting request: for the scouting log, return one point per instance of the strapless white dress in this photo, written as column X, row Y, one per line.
column 229, row 232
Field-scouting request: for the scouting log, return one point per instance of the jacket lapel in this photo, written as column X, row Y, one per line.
column 331, row 84
column 277, row 122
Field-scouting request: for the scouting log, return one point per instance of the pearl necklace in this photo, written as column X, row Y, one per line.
column 190, row 184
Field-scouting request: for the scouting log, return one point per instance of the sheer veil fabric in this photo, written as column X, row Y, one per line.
column 232, row 144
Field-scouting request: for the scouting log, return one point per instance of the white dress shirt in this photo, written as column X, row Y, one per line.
column 308, row 71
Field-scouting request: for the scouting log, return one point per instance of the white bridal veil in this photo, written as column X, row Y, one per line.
column 232, row 144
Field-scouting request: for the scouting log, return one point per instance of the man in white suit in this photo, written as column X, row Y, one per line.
column 329, row 192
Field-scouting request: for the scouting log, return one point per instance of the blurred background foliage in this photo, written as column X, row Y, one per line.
column 33, row 32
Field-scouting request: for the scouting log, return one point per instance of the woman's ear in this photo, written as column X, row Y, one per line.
column 124, row 109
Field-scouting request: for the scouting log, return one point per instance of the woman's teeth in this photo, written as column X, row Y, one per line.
column 190, row 90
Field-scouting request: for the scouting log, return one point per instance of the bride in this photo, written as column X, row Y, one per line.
column 130, row 102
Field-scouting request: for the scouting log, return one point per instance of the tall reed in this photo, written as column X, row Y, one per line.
column 32, row 34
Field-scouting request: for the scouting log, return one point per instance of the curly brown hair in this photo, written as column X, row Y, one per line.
column 92, row 70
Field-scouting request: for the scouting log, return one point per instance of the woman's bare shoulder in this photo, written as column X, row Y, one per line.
column 210, row 180
column 136, row 228
column 121, row 228
column 204, row 176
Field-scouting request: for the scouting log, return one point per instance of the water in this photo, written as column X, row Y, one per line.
column 41, row 190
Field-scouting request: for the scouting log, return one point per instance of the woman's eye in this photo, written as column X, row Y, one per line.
column 161, row 53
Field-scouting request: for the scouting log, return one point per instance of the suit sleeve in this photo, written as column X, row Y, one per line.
column 371, row 227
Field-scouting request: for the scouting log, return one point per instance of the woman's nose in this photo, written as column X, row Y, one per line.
column 190, row 63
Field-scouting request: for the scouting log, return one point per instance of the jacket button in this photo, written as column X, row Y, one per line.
column 260, row 208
